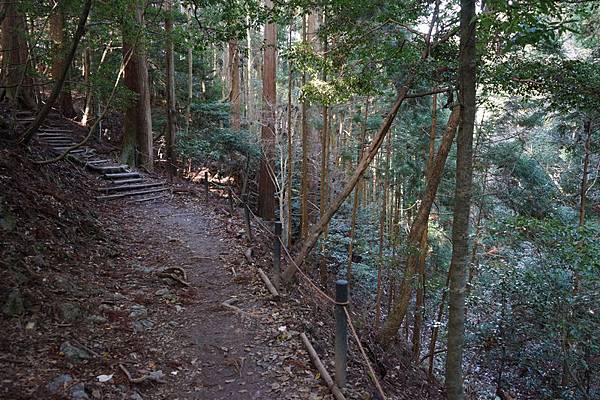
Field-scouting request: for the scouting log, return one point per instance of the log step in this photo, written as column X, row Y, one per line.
column 119, row 175
column 95, row 162
column 54, row 130
column 125, row 181
column 160, row 196
column 130, row 187
column 109, row 168
column 127, row 194
column 53, row 135
column 58, row 140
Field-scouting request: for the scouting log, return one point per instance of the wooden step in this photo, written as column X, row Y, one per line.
column 130, row 187
column 96, row 162
column 160, row 196
column 76, row 151
column 109, row 168
column 67, row 142
column 128, row 194
column 125, row 181
column 56, row 139
column 54, row 135
column 119, row 175
column 54, row 130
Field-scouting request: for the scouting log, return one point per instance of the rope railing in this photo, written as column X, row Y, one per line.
column 317, row 289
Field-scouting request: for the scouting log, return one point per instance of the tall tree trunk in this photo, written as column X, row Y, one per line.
column 462, row 202
column 418, row 226
column 137, row 130
column 584, row 175
column 250, row 117
column 171, row 101
column 382, row 225
column 87, row 66
column 59, row 53
column 266, row 184
column 234, row 92
column 324, row 185
column 290, row 151
column 420, row 298
column 17, row 81
column 356, row 198
column 305, row 152
column 190, row 63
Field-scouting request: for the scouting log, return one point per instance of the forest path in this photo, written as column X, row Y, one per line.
column 213, row 351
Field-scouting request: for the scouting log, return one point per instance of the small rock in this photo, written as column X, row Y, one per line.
column 138, row 311
column 156, row 376
column 78, row 392
column 142, row 325
column 96, row 319
column 14, row 303
column 70, row 312
column 162, row 292
column 74, row 353
column 58, row 383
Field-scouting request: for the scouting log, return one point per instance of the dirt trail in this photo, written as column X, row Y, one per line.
column 214, row 352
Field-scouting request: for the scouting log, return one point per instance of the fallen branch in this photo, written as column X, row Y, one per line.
column 227, row 304
column 337, row 393
column 141, row 379
column 267, row 282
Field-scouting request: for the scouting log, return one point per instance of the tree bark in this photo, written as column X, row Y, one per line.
column 234, row 92
column 394, row 320
column 290, row 151
column 462, row 202
column 266, row 184
column 136, row 149
column 171, row 100
column 18, row 84
column 59, row 52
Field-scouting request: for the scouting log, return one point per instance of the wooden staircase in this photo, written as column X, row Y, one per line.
column 119, row 180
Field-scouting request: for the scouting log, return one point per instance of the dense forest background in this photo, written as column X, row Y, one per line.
column 338, row 119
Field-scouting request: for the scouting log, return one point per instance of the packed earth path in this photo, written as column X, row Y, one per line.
column 206, row 349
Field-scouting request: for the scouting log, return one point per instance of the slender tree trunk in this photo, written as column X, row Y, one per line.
column 324, row 186
column 356, row 199
column 171, row 101
column 462, row 202
column 382, row 224
column 305, row 151
column 420, row 298
column 266, row 184
column 290, row 150
column 250, row 94
column 418, row 226
column 59, row 53
column 87, row 66
column 137, row 129
column 190, row 62
column 584, row 175
column 234, row 92
column 435, row 329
